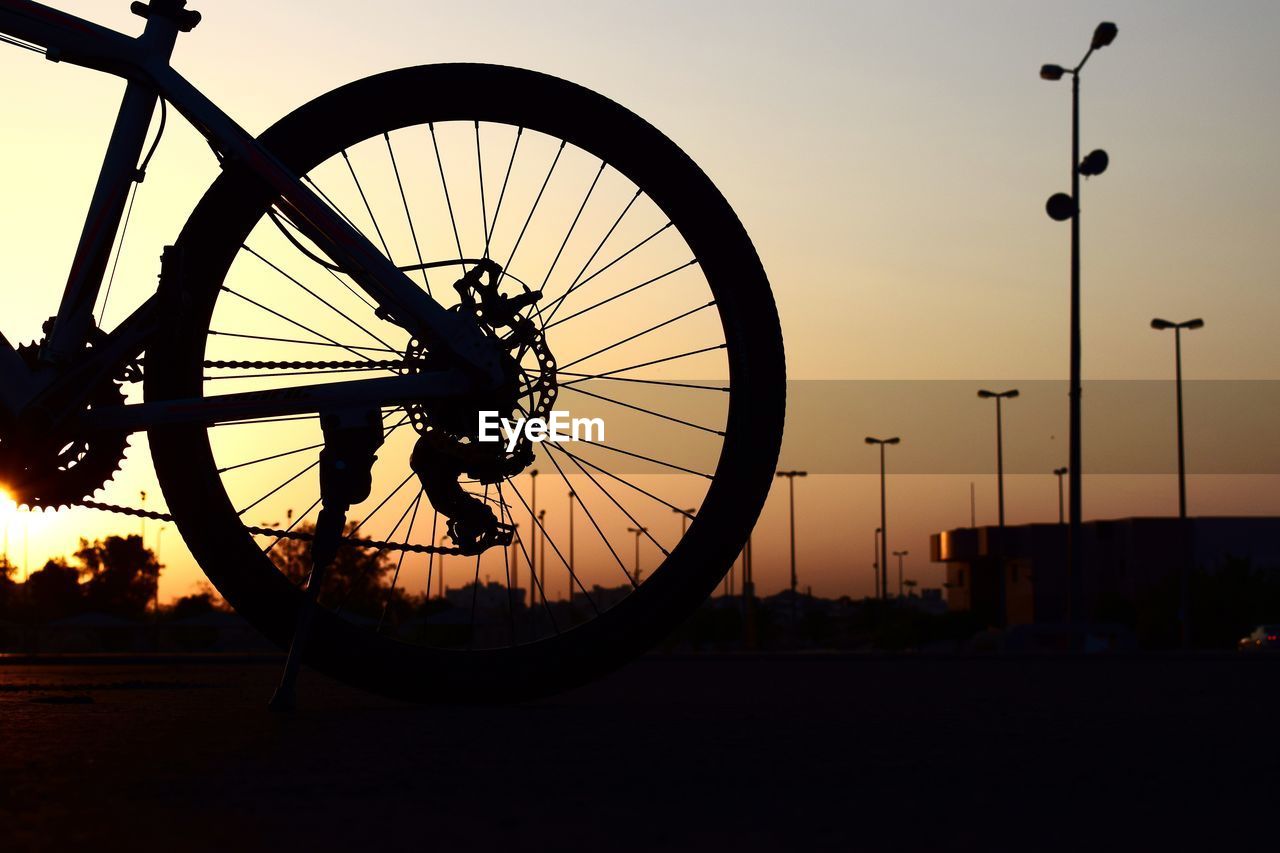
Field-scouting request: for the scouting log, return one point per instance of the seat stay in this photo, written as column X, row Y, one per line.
column 144, row 62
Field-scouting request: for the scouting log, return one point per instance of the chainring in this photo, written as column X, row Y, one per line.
column 69, row 468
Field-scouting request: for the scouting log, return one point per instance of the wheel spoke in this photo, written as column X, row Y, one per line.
column 547, row 538
column 360, row 189
column 638, row 335
column 623, row 509
column 299, row 341
column 404, row 199
column 692, row 386
column 648, row 411
column 269, row 458
column 579, row 461
column 294, row 322
column 573, row 225
column 444, row 184
column 592, row 519
column 318, row 297
column 626, row 292
column 532, row 210
column 493, row 226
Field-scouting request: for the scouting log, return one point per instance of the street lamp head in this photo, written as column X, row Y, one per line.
column 1104, row 34
column 1011, row 393
column 1161, row 325
column 1060, row 207
column 1094, row 163
column 986, row 395
column 893, row 440
column 871, row 440
column 1060, row 471
column 1052, row 72
column 1194, row 324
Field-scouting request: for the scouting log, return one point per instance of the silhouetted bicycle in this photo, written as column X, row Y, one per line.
column 365, row 278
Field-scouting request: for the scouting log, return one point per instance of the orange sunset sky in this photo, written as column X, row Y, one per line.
column 890, row 160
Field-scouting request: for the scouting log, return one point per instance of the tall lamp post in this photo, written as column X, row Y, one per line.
column 542, row 554
column 1062, row 207
column 685, row 515
column 875, row 563
column 1163, row 325
column 791, row 482
column 573, row 496
column 900, row 555
column 533, row 534
column 999, row 397
column 638, row 531
column 884, row 527
column 1185, row 581
column 1059, row 472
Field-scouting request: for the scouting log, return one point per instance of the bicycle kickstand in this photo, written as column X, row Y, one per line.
column 346, row 476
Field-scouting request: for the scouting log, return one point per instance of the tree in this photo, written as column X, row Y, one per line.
column 121, row 575
column 8, row 589
column 53, row 592
column 206, row 600
column 358, row 581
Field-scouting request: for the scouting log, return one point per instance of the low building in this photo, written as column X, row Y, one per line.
column 1124, row 560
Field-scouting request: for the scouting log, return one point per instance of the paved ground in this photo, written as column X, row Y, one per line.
column 732, row 754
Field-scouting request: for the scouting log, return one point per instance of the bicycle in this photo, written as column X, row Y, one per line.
column 441, row 330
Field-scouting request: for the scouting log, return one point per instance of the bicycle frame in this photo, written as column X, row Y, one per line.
column 144, row 63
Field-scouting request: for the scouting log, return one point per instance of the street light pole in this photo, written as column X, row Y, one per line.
column 1059, row 472
column 1189, row 325
column 1184, row 595
column 875, row 563
column 900, row 555
column 1062, row 207
column 542, row 554
column 791, row 481
column 569, row 598
column 533, row 532
column 884, row 526
column 638, row 531
column 999, row 397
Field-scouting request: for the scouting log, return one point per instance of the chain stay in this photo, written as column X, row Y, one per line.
column 279, row 534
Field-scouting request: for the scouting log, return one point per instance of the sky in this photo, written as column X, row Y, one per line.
column 889, row 159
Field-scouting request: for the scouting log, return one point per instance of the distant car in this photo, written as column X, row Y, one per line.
column 1264, row 638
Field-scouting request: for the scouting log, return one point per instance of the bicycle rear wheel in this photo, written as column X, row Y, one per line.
column 661, row 322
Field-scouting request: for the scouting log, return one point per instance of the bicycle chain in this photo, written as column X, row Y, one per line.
column 295, row 535
column 396, row 364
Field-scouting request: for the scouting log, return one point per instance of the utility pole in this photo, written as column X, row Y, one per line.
column 900, row 555
column 542, row 554
column 1062, row 207
column 884, row 523
column 638, row 531
column 1059, row 472
column 569, row 598
column 791, row 482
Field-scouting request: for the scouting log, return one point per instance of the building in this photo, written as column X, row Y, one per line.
column 1125, row 560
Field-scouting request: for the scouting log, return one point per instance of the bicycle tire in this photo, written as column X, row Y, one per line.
column 375, row 105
